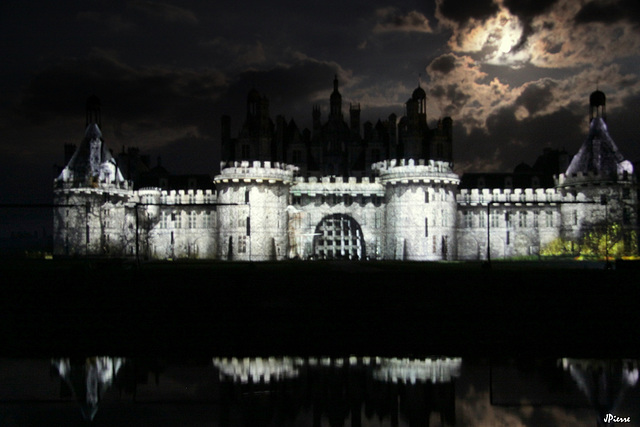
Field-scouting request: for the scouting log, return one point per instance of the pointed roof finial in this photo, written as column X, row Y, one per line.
column 93, row 111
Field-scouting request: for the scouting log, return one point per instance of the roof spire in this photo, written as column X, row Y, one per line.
column 597, row 105
column 93, row 111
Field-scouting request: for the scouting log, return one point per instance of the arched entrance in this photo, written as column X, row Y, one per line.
column 338, row 236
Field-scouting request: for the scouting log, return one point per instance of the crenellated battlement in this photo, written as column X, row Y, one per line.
column 582, row 178
column 97, row 191
column 337, row 180
column 256, row 171
column 404, row 171
column 353, row 186
column 104, row 185
column 476, row 196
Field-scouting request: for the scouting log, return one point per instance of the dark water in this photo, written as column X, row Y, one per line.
column 318, row 344
column 317, row 391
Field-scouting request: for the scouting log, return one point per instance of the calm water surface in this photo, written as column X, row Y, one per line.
column 318, row 391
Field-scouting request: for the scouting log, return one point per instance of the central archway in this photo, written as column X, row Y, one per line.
column 338, row 236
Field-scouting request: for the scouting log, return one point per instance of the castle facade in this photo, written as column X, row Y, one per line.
column 336, row 193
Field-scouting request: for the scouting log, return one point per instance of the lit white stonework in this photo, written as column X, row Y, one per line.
column 410, row 209
column 410, row 371
column 420, row 209
column 252, row 215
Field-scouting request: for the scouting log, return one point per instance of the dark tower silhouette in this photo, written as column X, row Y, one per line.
column 225, row 135
column 597, row 105
column 415, row 127
column 336, row 102
column 93, row 111
column 441, row 141
column 257, row 133
column 354, row 115
column 316, row 119
column 391, row 150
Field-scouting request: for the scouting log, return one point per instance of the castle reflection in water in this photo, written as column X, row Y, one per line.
column 295, row 391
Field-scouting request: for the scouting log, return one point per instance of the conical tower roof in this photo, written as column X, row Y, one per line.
column 599, row 154
column 92, row 163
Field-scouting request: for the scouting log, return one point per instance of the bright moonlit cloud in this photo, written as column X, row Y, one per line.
column 462, row 90
column 551, row 39
column 495, row 39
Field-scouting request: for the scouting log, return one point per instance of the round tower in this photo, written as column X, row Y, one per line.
column 599, row 185
column 252, row 215
column 420, row 209
column 91, row 198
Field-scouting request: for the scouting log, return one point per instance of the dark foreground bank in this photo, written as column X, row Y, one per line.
column 316, row 308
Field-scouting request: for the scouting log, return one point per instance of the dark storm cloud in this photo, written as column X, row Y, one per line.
column 609, row 12
column 291, row 89
column 507, row 141
column 526, row 10
column 622, row 123
column 461, row 11
column 127, row 93
column 163, row 108
column 190, row 154
column 536, row 97
column 443, row 64
column 391, row 19
column 236, row 55
column 164, row 12
column 114, row 23
column 456, row 97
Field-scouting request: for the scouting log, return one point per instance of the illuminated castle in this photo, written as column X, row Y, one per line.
column 334, row 193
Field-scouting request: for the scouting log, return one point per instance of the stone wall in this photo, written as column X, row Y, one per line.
column 93, row 222
column 252, row 218
column 262, row 211
column 314, row 200
column 420, row 209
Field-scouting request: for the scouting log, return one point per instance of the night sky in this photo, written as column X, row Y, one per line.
column 514, row 75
